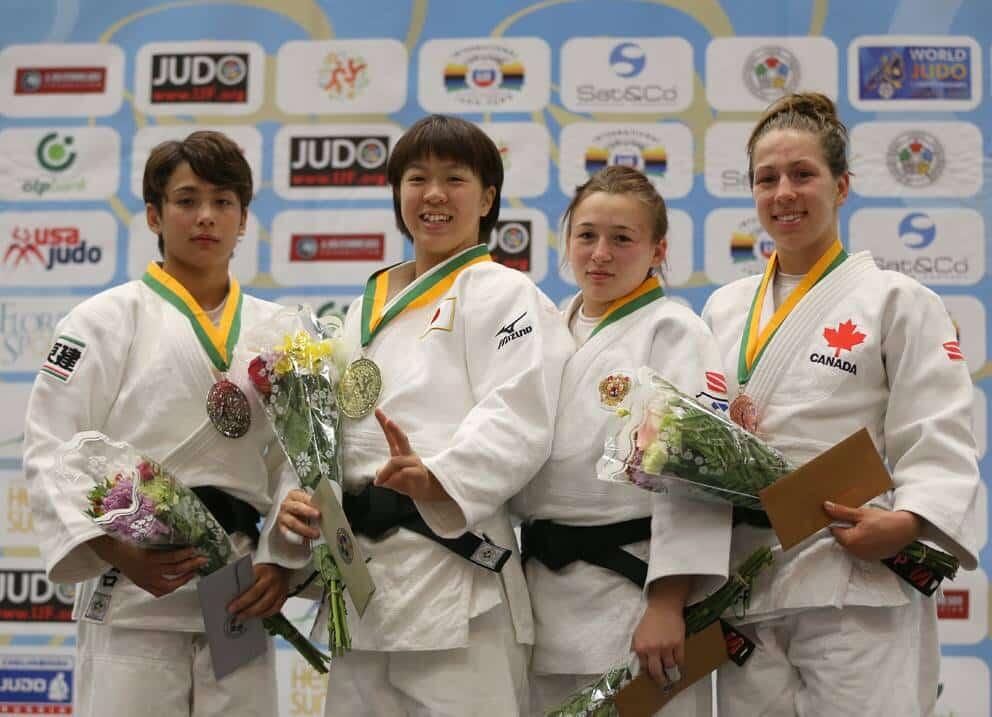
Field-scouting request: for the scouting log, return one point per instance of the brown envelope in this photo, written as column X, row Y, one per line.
column 851, row 473
column 704, row 652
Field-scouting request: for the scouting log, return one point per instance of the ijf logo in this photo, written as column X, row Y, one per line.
column 627, row 60
column 770, row 72
column 343, row 76
column 750, row 241
column 484, row 75
column 922, row 72
column 915, row 159
column 509, row 244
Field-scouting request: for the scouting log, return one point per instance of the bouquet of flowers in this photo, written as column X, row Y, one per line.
column 670, row 443
column 295, row 374
column 132, row 499
column 597, row 699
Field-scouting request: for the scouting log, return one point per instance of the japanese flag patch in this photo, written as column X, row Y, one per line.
column 64, row 358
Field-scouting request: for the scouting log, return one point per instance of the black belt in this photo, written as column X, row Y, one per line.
column 558, row 545
column 376, row 511
column 233, row 514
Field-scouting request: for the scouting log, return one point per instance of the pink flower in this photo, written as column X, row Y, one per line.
column 146, row 471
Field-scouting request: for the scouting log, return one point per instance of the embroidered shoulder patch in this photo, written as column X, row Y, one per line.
column 443, row 318
column 64, row 358
column 953, row 350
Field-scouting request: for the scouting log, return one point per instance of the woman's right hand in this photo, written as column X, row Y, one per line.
column 298, row 516
column 158, row 572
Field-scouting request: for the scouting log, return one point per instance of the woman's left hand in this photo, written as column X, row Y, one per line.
column 266, row 597
column 404, row 472
column 874, row 533
column 659, row 639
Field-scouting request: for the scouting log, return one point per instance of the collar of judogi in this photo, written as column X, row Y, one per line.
column 423, row 290
column 649, row 290
column 217, row 341
column 756, row 339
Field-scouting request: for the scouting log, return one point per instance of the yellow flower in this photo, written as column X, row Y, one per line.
column 284, row 365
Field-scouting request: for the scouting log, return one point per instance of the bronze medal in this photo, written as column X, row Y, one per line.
column 359, row 388
column 744, row 413
column 228, row 409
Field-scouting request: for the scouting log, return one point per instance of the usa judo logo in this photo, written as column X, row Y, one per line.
column 915, row 159
column 771, row 72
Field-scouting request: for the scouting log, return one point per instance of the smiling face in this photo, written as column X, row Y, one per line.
column 442, row 203
column 611, row 247
column 796, row 196
column 198, row 221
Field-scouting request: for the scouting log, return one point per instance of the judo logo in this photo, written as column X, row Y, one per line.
column 346, row 548
column 843, row 338
column 613, row 390
column 511, row 332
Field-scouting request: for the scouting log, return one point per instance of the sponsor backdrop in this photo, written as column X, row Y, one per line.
column 317, row 93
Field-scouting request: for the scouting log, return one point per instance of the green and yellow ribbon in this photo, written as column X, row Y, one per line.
column 754, row 342
column 648, row 291
column 424, row 290
column 217, row 341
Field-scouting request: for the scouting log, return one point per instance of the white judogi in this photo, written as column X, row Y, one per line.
column 585, row 615
column 892, row 370
column 472, row 377
column 143, row 378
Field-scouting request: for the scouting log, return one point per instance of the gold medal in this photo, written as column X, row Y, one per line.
column 359, row 388
column 744, row 413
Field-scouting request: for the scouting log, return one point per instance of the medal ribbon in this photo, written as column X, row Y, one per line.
column 218, row 342
column 422, row 291
column 754, row 343
column 648, row 291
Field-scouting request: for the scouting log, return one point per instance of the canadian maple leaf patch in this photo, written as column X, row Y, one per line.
column 844, row 338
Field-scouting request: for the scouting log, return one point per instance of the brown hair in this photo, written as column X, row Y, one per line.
column 454, row 139
column 213, row 157
column 618, row 179
column 809, row 112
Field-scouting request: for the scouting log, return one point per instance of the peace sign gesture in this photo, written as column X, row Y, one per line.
column 404, row 472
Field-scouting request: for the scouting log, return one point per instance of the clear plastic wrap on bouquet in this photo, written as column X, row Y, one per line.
column 131, row 498
column 668, row 443
column 295, row 364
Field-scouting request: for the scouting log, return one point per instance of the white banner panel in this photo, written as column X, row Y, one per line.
column 627, row 74
column 342, row 246
column 77, row 248
column 734, row 245
column 27, row 325
column 189, row 78
column 916, row 159
column 526, row 151
column 725, row 159
column 341, row 76
column 484, row 74
column 662, row 151
column 937, row 247
column 41, row 164
column 79, row 79
column 749, row 73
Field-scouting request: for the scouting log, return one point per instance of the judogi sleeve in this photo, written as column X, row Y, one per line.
column 689, row 536
column 929, row 441
column 273, row 546
column 506, row 436
column 68, row 397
